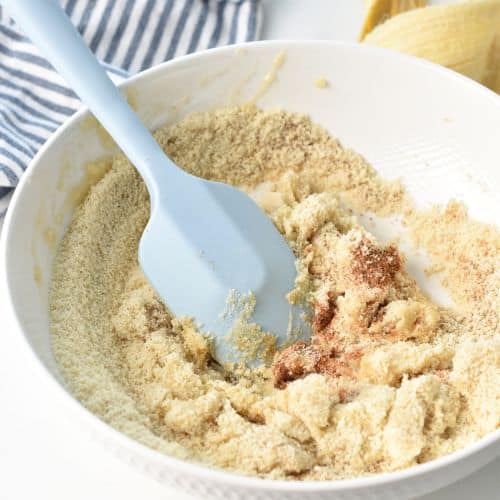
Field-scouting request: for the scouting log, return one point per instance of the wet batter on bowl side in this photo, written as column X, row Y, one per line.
column 389, row 379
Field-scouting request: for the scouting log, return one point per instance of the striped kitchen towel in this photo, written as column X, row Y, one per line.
column 127, row 36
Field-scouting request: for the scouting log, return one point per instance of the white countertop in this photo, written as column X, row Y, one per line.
column 43, row 455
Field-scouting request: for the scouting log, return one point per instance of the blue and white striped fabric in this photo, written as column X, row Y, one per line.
column 127, row 36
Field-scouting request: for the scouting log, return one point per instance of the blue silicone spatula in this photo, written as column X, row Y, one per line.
column 204, row 240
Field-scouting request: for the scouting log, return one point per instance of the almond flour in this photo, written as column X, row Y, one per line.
column 389, row 379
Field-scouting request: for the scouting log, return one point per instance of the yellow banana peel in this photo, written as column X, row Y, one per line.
column 464, row 37
column 378, row 11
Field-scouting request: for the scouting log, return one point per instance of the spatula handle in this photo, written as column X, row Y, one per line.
column 47, row 25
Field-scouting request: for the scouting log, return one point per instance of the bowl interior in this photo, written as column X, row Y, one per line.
column 435, row 130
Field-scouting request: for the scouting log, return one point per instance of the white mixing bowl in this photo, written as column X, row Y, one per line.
column 436, row 130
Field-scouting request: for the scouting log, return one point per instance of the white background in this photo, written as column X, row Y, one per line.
column 44, row 456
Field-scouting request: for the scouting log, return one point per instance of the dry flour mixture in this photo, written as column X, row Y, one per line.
column 389, row 380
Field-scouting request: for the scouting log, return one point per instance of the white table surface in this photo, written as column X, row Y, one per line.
column 42, row 454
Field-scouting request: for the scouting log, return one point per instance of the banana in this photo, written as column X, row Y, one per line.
column 377, row 11
column 464, row 37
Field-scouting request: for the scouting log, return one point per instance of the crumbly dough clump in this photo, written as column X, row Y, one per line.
column 389, row 379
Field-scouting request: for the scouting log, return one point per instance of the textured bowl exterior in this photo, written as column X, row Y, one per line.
column 411, row 119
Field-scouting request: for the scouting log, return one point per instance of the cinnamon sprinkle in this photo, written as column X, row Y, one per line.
column 301, row 359
column 374, row 266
